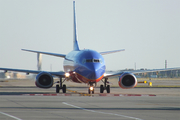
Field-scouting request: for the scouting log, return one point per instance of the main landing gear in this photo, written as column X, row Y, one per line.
column 105, row 87
column 61, row 86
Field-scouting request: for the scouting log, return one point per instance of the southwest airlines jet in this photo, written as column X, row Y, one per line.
column 83, row 66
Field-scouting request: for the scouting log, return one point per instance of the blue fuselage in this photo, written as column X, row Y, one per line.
column 85, row 66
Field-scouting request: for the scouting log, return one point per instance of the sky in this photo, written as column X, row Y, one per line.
column 148, row 30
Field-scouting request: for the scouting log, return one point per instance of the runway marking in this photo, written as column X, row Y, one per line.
column 101, row 112
column 93, row 95
column 10, row 116
column 81, row 94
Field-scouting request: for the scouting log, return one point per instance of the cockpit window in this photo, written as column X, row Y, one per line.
column 92, row 60
column 96, row 60
column 89, row 60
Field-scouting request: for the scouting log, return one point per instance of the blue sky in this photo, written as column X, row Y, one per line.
column 148, row 30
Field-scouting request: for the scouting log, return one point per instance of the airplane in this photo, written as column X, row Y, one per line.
column 83, row 66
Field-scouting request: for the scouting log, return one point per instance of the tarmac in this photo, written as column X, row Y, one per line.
column 23, row 101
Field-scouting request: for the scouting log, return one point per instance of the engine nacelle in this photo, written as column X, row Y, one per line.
column 44, row 80
column 127, row 81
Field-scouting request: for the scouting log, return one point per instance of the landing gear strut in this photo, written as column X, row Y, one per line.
column 105, row 87
column 91, row 88
column 61, row 86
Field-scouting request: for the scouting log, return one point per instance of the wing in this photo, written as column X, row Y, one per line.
column 153, row 70
column 33, row 71
column 111, row 74
column 47, row 53
column 109, row 52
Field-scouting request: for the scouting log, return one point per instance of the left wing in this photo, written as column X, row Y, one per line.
column 138, row 71
column 62, row 74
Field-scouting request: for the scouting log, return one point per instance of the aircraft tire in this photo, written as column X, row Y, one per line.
column 57, row 88
column 93, row 91
column 108, row 88
column 64, row 88
column 89, row 91
column 101, row 88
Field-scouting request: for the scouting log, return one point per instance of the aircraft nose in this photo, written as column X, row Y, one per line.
column 93, row 68
column 93, row 75
column 95, row 71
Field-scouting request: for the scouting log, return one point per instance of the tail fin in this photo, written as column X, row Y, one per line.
column 76, row 46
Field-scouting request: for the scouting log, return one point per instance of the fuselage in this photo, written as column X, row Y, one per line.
column 85, row 66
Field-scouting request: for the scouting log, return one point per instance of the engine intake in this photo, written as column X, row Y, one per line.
column 127, row 81
column 44, row 80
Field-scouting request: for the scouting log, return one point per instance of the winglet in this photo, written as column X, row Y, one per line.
column 75, row 44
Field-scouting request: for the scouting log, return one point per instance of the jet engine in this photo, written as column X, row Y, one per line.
column 44, row 80
column 127, row 81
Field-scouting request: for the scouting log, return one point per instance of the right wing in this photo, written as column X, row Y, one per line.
column 61, row 74
column 47, row 53
column 109, row 52
column 111, row 74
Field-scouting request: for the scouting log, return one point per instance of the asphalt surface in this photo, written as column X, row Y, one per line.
column 32, row 103
column 88, row 108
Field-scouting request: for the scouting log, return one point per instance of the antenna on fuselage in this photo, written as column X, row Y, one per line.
column 75, row 43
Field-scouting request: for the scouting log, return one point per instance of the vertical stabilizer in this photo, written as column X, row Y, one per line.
column 75, row 44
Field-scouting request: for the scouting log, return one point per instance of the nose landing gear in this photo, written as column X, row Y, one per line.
column 91, row 88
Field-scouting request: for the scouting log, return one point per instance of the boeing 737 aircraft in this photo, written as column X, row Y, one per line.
column 82, row 66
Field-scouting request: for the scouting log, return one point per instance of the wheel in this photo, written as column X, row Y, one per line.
column 64, row 89
column 93, row 91
column 108, row 88
column 101, row 88
column 57, row 88
column 89, row 91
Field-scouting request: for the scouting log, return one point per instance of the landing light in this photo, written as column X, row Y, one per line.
column 91, row 88
column 67, row 74
column 8, row 76
column 105, row 74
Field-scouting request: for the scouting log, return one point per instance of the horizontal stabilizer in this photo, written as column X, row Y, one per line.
column 47, row 53
column 109, row 52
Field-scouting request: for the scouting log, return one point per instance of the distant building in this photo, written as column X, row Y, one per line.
column 12, row 75
column 2, row 75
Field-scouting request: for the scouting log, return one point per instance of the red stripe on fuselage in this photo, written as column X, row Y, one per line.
column 81, row 79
